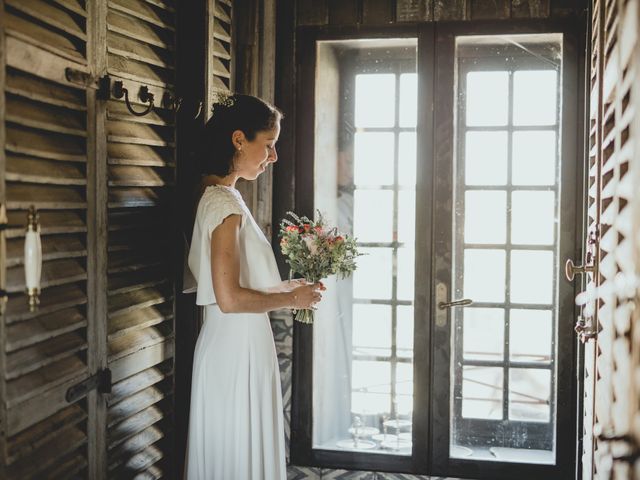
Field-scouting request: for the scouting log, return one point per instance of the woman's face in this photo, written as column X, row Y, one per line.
column 253, row 157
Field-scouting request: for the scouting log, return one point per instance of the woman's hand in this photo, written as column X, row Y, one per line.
column 306, row 296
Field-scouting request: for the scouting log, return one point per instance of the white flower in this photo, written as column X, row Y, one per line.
column 311, row 245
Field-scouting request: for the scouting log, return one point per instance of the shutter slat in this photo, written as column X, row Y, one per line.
column 54, row 273
column 29, row 359
column 38, row 89
column 133, row 197
column 56, row 17
column 135, row 404
column 138, row 382
column 42, row 38
column 142, row 360
column 44, row 117
column 142, row 31
column 135, row 50
column 118, row 111
column 130, row 132
column 141, row 155
column 134, row 300
column 52, row 300
column 133, row 176
column 134, row 424
column 134, row 444
column 51, row 146
column 139, row 463
column 143, row 11
column 35, row 383
column 44, row 197
column 24, row 334
column 140, row 72
column 33, row 170
column 138, row 319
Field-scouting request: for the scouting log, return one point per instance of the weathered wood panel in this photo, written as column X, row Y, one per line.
column 414, row 10
column 140, row 291
column 45, row 155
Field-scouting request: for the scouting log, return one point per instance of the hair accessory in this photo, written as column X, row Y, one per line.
column 222, row 98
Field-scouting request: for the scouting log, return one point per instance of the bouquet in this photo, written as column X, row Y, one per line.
column 315, row 251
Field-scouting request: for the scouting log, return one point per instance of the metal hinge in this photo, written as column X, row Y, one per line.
column 101, row 381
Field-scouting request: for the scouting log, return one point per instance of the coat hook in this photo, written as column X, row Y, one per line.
column 199, row 111
column 119, row 90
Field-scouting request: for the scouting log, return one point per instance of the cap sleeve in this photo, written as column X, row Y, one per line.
column 215, row 205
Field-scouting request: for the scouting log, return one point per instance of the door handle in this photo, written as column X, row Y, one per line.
column 571, row 269
column 463, row 302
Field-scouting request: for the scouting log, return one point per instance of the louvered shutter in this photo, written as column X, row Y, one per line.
column 141, row 173
column 219, row 56
column 46, row 156
column 609, row 382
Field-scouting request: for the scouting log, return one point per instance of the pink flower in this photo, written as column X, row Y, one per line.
column 311, row 245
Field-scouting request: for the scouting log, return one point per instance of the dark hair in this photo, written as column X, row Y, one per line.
column 234, row 112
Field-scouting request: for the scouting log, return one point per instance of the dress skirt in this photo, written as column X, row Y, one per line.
column 236, row 428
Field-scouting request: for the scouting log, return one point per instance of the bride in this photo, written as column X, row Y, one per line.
column 236, row 429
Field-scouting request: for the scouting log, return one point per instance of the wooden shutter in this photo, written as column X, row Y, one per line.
column 219, row 50
column 141, row 173
column 45, row 164
column 610, row 398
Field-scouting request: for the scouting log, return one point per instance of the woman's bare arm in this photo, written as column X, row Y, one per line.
column 225, row 270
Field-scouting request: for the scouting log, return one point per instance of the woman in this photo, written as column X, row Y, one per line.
column 236, row 428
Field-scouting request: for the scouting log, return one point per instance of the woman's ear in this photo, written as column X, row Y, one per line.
column 238, row 139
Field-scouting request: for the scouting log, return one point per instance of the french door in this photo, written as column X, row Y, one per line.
column 505, row 218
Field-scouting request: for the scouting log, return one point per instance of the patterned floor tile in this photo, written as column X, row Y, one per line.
column 402, row 476
column 328, row 474
column 303, row 473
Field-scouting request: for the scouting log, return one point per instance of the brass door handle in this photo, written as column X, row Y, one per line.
column 463, row 302
column 570, row 269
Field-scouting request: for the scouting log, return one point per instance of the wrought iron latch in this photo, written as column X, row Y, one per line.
column 100, row 381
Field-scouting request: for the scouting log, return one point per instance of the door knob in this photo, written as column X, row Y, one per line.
column 463, row 302
column 571, row 269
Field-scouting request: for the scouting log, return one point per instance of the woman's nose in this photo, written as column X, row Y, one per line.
column 274, row 156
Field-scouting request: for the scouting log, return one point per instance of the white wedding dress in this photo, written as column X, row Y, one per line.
column 236, row 429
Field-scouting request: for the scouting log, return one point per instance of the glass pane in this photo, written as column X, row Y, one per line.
column 534, row 158
column 485, row 217
column 532, row 276
column 373, row 158
column 404, row 388
column 371, row 383
column 408, row 99
column 485, row 158
column 373, row 215
column 487, row 98
column 405, row 273
column 530, row 335
column 538, row 109
column 483, row 334
column 375, row 100
column 404, row 331
column 529, row 394
column 372, row 279
column 406, row 216
column 482, row 392
column 407, row 159
column 533, row 218
column 371, row 329
column 484, row 275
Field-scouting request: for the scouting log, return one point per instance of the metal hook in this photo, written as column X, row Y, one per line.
column 145, row 96
column 200, row 106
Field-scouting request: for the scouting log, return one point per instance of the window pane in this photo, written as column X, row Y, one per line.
column 534, row 158
column 408, row 99
column 373, row 224
column 538, row 109
column 482, row 392
column 404, row 389
column 405, row 273
column 404, row 331
column 529, row 394
column 485, row 217
column 530, row 335
column 375, row 100
column 373, row 158
column 532, row 276
column 533, row 218
column 407, row 159
column 406, row 216
column 371, row 383
column 487, row 98
column 372, row 279
column 483, row 333
column 485, row 158
column 484, row 275
column 372, row 329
